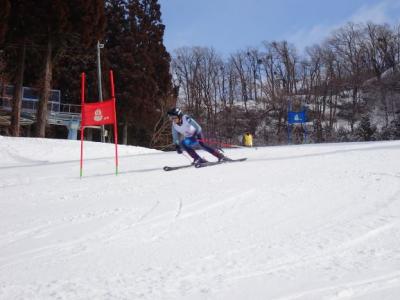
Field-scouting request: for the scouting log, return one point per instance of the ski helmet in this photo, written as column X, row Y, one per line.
column 175, row 112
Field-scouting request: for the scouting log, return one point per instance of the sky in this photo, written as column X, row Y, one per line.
column 298, row 222
column 233, row 25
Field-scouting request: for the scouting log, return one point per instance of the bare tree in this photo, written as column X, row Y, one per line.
column 239, row 61
column 380, row 48
column 347, row 45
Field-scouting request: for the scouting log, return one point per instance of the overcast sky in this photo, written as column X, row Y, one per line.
column 232, row 25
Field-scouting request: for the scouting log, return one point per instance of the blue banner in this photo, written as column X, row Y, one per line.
column 297, row 117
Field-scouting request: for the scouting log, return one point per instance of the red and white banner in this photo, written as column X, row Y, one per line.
column 99, row 113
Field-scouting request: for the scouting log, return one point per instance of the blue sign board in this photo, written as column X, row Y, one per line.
column 294, row 117
column 297, row 117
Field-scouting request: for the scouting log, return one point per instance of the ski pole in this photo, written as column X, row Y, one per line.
column 220, row 143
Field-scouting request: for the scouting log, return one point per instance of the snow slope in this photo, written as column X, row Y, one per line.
column 293, row 222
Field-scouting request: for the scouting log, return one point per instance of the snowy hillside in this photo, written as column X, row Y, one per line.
column 294, row 222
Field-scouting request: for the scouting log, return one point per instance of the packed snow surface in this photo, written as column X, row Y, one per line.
column 291, row 222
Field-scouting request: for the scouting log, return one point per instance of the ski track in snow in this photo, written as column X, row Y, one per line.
column 250, row 230
column 352, row 290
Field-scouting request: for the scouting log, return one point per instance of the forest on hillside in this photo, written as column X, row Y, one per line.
column 48, row 44
column 349, row 84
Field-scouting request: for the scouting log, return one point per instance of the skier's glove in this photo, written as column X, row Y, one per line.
column 178, row 149
column 195, row 136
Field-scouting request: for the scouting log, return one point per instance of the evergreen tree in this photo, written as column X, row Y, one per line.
column 135, row 50
column 5, row 7
column 60, row 22
column 16, row 23
column 365, row 130
column 48, row 27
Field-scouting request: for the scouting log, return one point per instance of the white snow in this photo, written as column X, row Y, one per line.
column 292, row 222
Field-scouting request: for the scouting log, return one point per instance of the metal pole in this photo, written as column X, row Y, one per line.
column 99, row 46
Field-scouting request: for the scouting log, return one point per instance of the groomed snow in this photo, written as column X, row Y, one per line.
column 292, row 222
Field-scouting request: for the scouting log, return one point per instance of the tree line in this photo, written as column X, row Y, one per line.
column 349, row 84
column 47, row 44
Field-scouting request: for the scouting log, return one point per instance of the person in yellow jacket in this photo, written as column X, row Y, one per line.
column 248, row 139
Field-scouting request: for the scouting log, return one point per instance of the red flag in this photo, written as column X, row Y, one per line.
column 99, row 113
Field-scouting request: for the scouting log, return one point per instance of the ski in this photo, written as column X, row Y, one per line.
column 168, row 168
column 201, row 165
column 213, row 163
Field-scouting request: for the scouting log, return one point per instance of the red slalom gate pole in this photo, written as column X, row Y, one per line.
column 82, row 118
column 115, row 122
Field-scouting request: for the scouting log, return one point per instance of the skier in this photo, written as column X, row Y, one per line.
column 186, row 133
